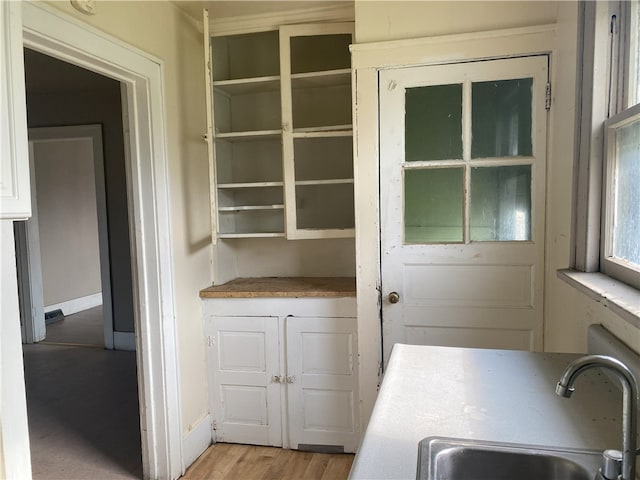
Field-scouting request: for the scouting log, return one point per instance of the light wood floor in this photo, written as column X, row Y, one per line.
column 249, row 462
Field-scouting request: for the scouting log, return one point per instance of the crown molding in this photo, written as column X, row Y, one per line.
column 273, row 20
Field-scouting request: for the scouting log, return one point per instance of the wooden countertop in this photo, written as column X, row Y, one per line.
column 283, row 287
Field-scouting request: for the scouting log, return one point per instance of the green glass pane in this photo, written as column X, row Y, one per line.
column 501, row 118
column 433, row 123
column 433, row 200
column 501, row 203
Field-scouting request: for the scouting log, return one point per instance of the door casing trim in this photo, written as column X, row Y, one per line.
column 56, row 34
column 367, row 60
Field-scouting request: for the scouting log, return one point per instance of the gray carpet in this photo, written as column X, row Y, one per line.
column 82, row 405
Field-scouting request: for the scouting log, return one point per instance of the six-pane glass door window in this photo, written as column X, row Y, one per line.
column 495, row 165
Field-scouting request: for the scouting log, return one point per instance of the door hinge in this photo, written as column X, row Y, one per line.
column 210, row 341
column 547, row 97
column 214, row 425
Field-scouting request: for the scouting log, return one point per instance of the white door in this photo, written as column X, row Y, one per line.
column 462, row 196
column 321, row 382
column 246, row 386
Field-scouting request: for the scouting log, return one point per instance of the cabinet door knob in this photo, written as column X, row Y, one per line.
column 394, row 297
column 290, row 379
column 276, row 379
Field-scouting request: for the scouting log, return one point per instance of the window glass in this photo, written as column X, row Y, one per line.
column 501, row 203
column 433, row 123
column 433, row 205
column 626, row 217
column 501, row 118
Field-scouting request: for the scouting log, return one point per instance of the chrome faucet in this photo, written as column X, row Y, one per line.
column 611, row 467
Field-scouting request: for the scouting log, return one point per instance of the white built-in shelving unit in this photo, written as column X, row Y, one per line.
column 282, row 149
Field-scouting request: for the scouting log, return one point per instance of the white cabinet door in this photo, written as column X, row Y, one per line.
column 317, row 144
column 15, row 199
column 321, row 382
column 245, row 397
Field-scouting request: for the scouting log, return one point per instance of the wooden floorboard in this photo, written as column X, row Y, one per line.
column 226, row 461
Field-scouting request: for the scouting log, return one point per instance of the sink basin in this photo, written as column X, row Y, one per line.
column 455, row 459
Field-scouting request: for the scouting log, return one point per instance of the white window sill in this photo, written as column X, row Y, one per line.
column 622, row 299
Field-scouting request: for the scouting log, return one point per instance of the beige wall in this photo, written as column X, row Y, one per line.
column 67, row 219
column 378, row 21
column 569, row 312
column 162, row 30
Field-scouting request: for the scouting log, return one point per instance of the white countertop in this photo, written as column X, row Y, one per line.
column 496, row 395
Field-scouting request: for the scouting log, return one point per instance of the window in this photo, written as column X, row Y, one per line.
column 620, row 255
column 620, row 235
column 610, row 142
column 469, row 161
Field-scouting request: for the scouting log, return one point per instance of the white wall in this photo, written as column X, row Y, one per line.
column 378, row 21
column 277, row 257
column 14, row 435
column 160, row 28
column 568, row 311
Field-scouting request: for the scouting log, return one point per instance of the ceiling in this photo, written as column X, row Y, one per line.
column 236, row 8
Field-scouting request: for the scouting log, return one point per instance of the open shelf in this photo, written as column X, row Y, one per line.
column 241, row 208
column 251, row 221
column 252, row 235
column 245, row 86
column 248, row 136
column 251, row 185
column 323, row 132
column 328, row 78
column 247, row 55
column 324, row 182
column 309, row 53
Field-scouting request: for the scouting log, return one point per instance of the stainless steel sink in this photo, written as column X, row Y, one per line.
column 456, row 459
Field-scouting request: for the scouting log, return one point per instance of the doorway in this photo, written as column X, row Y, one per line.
column 140, row 75
column 463, row 155
column 63, row 249
column 73, row 112
column 81, row 399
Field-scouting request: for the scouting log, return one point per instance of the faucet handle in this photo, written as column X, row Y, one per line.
column 611, row 467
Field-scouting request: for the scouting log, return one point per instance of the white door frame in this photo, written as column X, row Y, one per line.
column 58, row 35
column 367, row 60
column 34, row 326
column 29, row 268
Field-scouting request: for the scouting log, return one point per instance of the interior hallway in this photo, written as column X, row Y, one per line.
column 82, row 405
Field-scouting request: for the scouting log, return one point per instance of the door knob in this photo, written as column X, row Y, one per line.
column 394, row 297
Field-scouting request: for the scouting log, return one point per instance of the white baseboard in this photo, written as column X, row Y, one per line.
column 196, row 441
column 124, row 341
column 77, row 304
